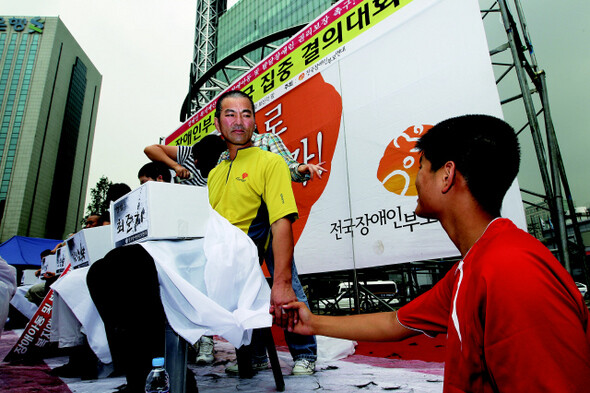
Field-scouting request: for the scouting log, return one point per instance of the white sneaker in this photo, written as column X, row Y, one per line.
column 205, row 354
column 303, row 367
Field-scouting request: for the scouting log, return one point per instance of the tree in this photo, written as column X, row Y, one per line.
column 98, row 196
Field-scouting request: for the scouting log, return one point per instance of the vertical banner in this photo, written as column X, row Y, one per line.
column 37, row 332
column 356, row 88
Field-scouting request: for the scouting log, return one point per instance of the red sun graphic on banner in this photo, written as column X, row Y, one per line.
column 308, row 120
column 400, row 162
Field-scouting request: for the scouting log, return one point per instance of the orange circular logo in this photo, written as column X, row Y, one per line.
column 400, row 162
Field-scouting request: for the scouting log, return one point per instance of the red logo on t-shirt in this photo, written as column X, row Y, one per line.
column 244, row 175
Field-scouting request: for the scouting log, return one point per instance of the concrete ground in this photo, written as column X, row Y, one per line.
column 356, row 373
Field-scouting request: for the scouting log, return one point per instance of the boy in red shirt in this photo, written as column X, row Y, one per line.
column 514, row 318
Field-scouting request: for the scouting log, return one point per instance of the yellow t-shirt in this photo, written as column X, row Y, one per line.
column 252, row 192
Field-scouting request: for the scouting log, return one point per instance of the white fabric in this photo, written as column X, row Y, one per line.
column 65, row 327
column 71, row 288
column 208, row 286
column 22, row 304
column 330, row 349
column 29, row 277
column 212, row 285
column 7, row 289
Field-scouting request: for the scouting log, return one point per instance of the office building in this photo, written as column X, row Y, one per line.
column 49, row 91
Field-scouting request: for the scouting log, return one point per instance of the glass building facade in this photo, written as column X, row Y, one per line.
column 48, row 100
column 21, row 54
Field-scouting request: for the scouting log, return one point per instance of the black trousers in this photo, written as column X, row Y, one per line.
column 124, row 287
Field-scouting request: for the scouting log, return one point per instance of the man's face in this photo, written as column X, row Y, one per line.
column 236, row 121
column 91, row 221
column 426, row 185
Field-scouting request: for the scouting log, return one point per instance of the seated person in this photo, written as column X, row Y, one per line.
column 37, row 292
column 92, row 220
column 131, row 309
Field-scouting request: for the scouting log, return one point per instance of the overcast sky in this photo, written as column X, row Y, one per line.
column 143, row 50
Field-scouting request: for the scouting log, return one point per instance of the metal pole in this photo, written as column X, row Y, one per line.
column 176, row 360
column 533, row 123
column 554, row 160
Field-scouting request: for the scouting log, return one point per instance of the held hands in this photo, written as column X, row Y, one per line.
column 302, row 320
column 312, row 169
column 280, row 295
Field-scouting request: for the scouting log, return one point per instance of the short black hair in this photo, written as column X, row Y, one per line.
column 116, row 191
column 154, row 169
column 45, row 252
column 206, row 153
column 485, row 151
column 232, row 93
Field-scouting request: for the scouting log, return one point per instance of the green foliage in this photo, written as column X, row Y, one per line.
column 98, row 196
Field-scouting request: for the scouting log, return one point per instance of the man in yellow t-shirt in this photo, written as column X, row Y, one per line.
column 252, row 190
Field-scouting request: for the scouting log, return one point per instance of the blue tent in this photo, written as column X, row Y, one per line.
column 20, row 250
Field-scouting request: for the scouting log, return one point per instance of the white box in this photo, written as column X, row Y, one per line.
column 49, row 264
column 62, row 259
column 89, row 245
column 157, row 210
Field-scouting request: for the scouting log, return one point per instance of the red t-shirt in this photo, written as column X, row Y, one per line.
column 514, row 318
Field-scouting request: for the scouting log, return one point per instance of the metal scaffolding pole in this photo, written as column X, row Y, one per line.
column 552, row 172
column 205, row 46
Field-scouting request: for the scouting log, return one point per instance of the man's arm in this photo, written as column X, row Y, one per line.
column 167, row 155
column 282, row 289
column 382, row 326
column 299, row 172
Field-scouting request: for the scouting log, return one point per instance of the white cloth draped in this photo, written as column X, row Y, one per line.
column 212, row 285
column 71, row 290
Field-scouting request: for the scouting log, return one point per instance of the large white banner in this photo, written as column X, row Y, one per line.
column 356, row 88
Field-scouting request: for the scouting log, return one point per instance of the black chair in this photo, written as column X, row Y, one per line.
column 244, row 358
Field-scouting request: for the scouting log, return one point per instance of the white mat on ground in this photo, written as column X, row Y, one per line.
column 212, row 285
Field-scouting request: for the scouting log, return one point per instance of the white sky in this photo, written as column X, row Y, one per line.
column 143, row 50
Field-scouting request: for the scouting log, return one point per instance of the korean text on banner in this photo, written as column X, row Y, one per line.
column 306, row 52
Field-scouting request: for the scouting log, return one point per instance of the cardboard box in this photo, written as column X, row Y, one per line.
column 157, row 210
column 89, row 245
column 62, row 259
column 49, row 264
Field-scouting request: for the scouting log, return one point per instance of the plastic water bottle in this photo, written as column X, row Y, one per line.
column 157, row 380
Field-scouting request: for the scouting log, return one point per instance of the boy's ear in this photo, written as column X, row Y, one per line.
column 449, row 174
